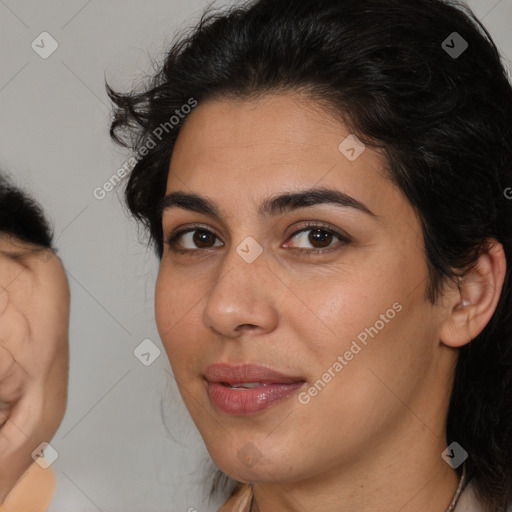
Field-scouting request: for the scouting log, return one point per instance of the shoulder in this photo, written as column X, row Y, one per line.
column 33, row 492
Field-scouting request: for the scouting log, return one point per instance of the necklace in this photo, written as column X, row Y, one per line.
column 450, row 508
column 458, row 492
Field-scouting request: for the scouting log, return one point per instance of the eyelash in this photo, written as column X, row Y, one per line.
column 344, row 239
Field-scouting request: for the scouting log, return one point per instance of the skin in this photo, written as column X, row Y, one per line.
column 372, row 438
column 34, row 323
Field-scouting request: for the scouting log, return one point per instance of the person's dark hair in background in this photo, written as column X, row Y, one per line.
column 444, row 124
column 22, row 217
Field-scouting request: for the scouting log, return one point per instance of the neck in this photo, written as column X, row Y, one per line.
column 414, row 478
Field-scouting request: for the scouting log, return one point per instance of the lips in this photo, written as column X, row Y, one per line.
column 248, row 389
column 228, row 374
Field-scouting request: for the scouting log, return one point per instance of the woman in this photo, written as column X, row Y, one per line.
column 325, row 185
column 34, row 353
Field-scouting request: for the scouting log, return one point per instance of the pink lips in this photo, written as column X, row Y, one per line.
column 247, row 389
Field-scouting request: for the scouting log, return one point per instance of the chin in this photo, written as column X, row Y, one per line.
column 248, row 464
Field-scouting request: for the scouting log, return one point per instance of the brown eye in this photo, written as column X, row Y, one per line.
column 319, row 237
column 201, row 238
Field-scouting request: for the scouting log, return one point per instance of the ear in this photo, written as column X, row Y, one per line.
column 14, row 329
column 471, row 306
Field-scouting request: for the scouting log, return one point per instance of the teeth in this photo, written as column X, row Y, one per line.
column 246, row 385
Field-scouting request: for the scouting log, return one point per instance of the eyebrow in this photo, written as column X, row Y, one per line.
column 271, row 206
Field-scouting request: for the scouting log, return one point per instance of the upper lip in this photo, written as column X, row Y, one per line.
column 235, row 374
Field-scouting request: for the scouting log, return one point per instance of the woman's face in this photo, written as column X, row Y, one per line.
column 347, row 328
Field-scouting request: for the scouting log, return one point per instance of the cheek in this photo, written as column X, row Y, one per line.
column 375, row 325
column 166, row 302
column 342, row 311
column 176, row 321
column 382, row 357
column 179, row 295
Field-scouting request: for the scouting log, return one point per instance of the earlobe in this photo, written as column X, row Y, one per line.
column 473, row 305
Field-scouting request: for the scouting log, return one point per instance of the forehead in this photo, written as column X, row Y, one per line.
column 273, row 126
column 251, row 149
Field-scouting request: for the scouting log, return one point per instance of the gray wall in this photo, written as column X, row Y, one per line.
column 115, row 452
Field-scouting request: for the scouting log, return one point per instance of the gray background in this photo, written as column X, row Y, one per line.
column 115, row 451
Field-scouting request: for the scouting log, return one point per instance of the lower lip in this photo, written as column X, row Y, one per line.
column 245, row 401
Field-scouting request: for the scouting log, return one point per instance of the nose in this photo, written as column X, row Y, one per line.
column 243, row 297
